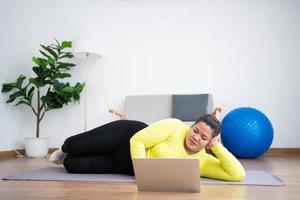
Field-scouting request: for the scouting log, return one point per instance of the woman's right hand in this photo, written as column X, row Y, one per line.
column 214, row 141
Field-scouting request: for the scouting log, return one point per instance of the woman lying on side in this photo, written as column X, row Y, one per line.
column 110, row 147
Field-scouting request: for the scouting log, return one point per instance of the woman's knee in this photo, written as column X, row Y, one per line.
column 67, row 146
column 136, row 125
column 77, row 144
column 76, row 164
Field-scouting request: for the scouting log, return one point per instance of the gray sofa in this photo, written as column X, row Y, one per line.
column 151, row 108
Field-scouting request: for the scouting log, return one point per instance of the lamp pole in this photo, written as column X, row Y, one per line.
column 86, row 56
column 85, row 89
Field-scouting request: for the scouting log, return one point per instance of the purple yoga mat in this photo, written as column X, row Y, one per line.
column 253, row 177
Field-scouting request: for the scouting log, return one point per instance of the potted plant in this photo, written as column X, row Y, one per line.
column 45, row 91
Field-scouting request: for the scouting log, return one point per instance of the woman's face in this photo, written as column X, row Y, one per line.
column 198, row 137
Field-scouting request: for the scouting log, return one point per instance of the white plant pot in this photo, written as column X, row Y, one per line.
column 36, row 147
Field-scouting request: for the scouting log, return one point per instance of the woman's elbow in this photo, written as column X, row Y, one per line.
column 238, row 176
column 133, row 139
column 132, row 142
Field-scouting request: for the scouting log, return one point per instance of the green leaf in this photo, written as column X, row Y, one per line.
column 37, row 61
column 79, row 87
column 66, row 44
column 30, row 94
column 59, row 100
column 44, row 54
column 43, row 74
column 55, row 56
column 7, row 87
column 63, row 75
column 20, row 80
column 38, row 71
column 62, row 65
column 53, row 71
column 57, row 85
column 68, row 55
column 23, row 91
column 13, row 96
column 38, row 82
column 50, row 61
column 68, row 89
column 50, row 101
column 76, row 97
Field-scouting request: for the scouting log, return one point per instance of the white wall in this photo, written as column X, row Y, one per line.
column 246, row 53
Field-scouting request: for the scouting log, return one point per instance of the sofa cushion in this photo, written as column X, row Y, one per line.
column 191, row 106
column 148, row 108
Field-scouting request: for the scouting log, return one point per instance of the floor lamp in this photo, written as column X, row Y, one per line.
column 86, row 56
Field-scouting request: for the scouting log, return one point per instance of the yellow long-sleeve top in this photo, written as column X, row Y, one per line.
column 165, row 139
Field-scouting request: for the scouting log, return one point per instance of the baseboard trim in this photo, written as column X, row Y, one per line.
column 270, row 152
column 10, row 154
column 283, row 152
column 13, row 154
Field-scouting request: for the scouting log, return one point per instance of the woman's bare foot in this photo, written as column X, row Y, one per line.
column 216, row 113
column 57, row 157
column 115, row 112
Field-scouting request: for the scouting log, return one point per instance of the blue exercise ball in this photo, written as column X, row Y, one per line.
column 246, row 132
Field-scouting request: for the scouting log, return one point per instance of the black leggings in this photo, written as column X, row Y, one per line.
column 105, row 149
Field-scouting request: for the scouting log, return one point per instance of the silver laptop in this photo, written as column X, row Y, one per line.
column 167, row 174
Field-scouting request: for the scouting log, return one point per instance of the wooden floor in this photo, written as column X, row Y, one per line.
column 288, row 168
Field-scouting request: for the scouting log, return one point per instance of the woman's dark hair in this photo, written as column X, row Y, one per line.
column 212, row 122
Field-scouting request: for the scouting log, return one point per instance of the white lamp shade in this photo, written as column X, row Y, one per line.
column 84, row 48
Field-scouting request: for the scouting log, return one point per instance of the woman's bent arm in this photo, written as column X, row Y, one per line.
column 150, row 136
column 224, row 167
